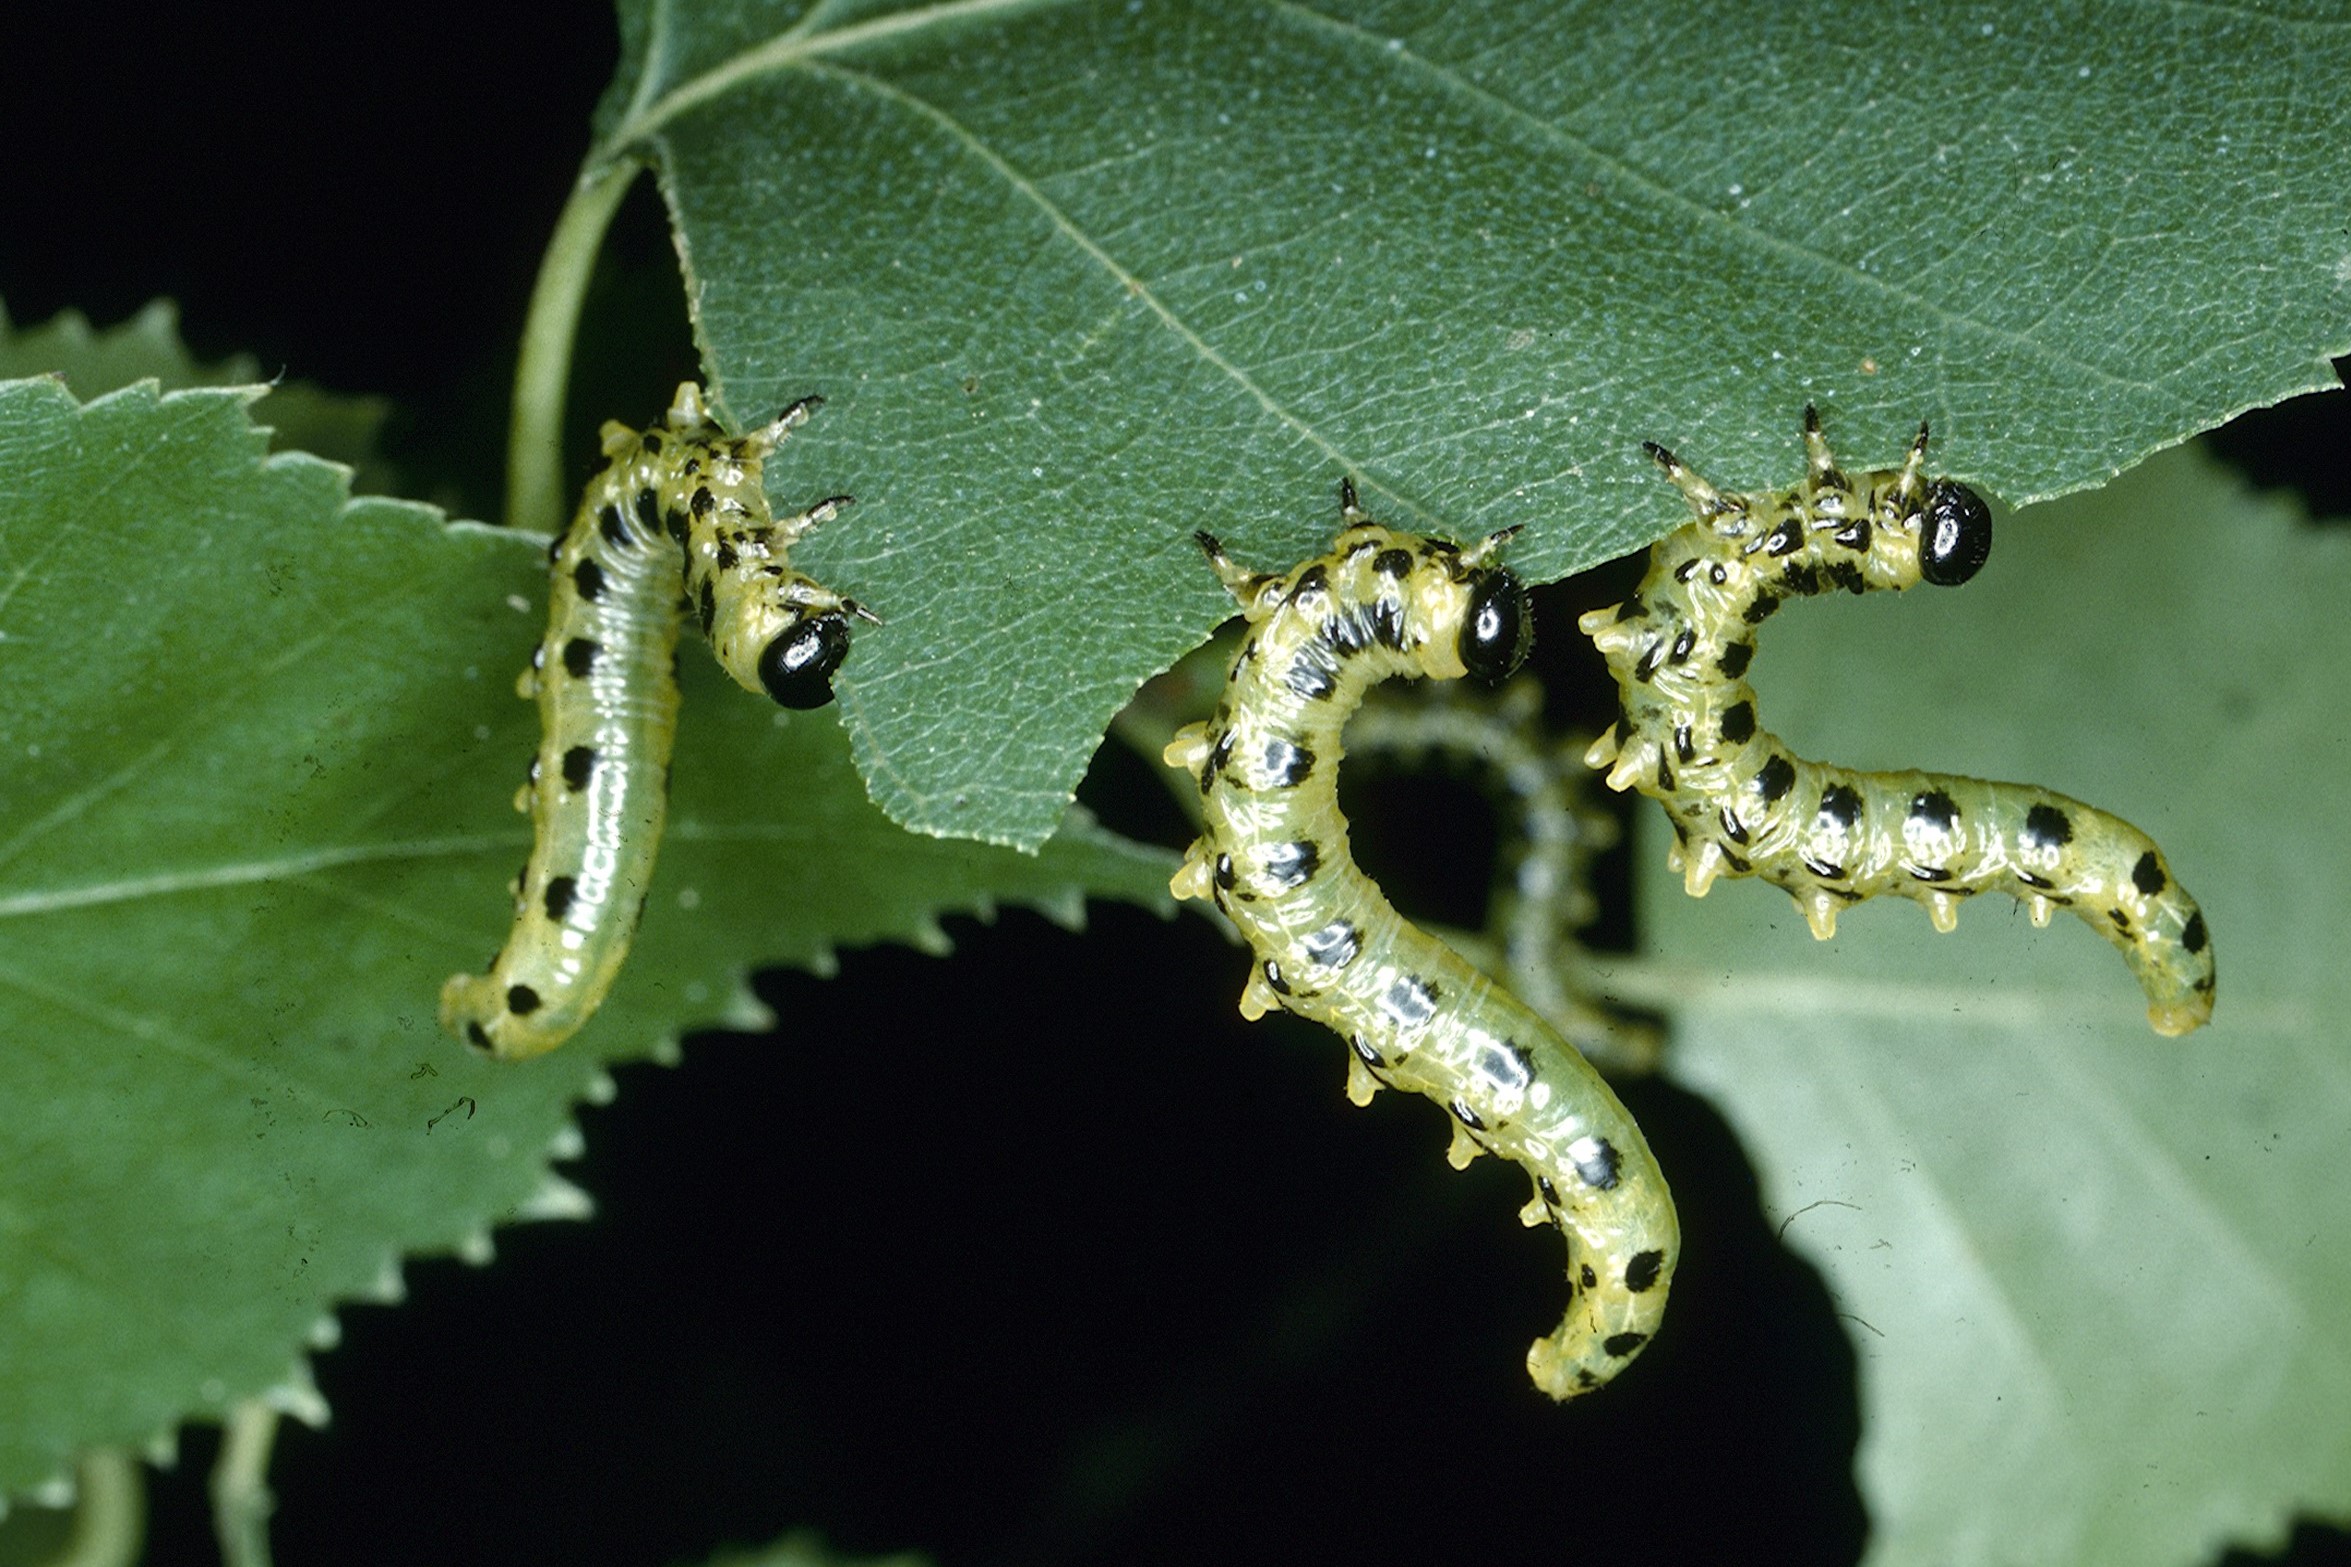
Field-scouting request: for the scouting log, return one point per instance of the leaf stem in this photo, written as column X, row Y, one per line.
column 542, row 373
column 241, row 1500
column 110, row 1511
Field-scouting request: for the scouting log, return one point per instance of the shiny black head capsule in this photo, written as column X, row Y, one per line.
column 1955, row 535
column 797, row 667
column 1499, row 630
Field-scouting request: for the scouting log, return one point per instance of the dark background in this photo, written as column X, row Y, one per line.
column 1128, row 1282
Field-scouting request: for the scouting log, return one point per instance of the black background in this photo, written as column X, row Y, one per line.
column 1114, row 1279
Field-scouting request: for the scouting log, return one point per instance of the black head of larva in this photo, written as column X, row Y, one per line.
column 797, row 667
column 1955, row 534
column 1498, row 630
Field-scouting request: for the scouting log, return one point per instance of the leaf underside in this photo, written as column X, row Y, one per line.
column 1080, row 279
column 2095, row 1278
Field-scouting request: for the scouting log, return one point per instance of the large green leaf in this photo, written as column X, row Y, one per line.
column 2097, row 1278
column 1082, row 278
column 261, row 740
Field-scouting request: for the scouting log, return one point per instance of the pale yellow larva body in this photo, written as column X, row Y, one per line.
column 675, row 524
column 1328, row 946
column 1742, row 804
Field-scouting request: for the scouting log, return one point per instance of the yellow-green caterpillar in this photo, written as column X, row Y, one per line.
column 1328, row 946
column 1743, row 805
column 677, row 523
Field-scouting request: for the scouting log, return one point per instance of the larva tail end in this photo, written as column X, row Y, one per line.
column 473, row 1008
column 1577, row 1360
column 2171, row 1019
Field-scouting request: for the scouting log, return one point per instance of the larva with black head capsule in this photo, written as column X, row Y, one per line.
column 676, row 523
column 1742, row 804
column 1328, row 946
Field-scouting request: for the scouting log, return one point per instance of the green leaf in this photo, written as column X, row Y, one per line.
column 2096, row 1277
column 261, row 744
column 1082, row 278
column 95, row 361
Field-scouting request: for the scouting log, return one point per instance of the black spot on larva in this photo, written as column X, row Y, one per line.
column 1775, row 778
column 1735, row 659
column 1664, row 774
column 2121, row 920
column 1682, row 644
column 1223, row 873
column 1732, row 828
column 1800, row 579
column 588, row 577
column 1683, row 746
column 579, row 764
column 1651, row 657
column 1393, row 563
column 1363, row 1047
column 1739, row 867
column 1587, row 1277
column 2147, row 875
column 1550, row 1193
column 1623, row 1344
column 673, row 522
column 725, row 556
column 1840, row 803
column 1348, row 632
column 703, row 502
column 1409, row 1002
column 1334, row 946
column 1310, row 678
column 1313, row 582
column 1826, row 870
column 2194, row 936
column 1785, row 539
column 1761, row 610
column 2038, row 883
column 1466, row 1116
column 1640, row 1274
column 1218, row 755
column 479, row 1035
column 651, row 441
column 1290, row 865
column 1631, row 609
column 1387, row 623
column 2047, row 827
column 557, row 897
column 1596, row 1160
column 615, row 528
column 1928, row 873
column 1831, row 478
column 1738, row 723
column 706, row 608
column 521, row 1000
column 1287, row 765
column 1684, row 571
column 1273, row 977
column 1932, row 808
column 1854, row 535
column 1844, row 574
column 579, row 656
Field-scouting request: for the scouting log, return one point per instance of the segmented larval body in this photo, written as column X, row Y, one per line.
column 1328, row 946
column 676, row 523
column 1743, row 804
